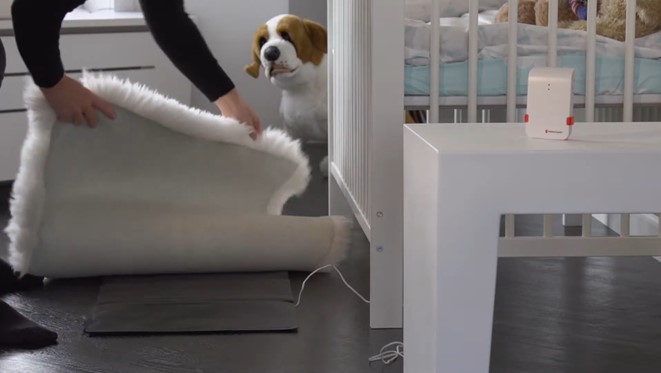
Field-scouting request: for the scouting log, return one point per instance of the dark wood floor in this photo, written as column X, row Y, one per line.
column 552, row 315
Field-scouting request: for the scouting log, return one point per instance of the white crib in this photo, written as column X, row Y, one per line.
column 368, row 100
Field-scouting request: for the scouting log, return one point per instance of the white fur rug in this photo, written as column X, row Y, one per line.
column 163, row 188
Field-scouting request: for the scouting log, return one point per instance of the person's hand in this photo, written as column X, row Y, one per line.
column 232, row 105
column 76, row 104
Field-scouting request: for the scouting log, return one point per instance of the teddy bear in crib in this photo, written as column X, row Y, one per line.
column 572, row 14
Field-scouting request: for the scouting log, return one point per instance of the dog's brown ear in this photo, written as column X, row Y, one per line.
column 317, row 34
column 253, row 68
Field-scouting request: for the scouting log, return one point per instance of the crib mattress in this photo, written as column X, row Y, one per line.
column 493, row 49
column 492, row 76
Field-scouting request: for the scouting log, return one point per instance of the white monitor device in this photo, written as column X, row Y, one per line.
column 550, row 109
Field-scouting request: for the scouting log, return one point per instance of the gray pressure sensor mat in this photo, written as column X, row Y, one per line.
column 227, row 302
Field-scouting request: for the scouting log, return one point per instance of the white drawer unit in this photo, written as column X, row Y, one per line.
column 117, row 43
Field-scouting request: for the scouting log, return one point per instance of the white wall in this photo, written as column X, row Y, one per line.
column 311, row 9
column 228, row 27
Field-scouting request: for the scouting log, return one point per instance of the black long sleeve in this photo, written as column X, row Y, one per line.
column 181, row 41
column 37, row 26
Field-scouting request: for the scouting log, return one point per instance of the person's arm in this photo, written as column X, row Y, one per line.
column 37, row 25
column 180, row 39
column 37, row 31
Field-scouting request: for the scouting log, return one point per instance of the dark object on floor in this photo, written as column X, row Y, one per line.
column 17, row 331
column 228, row 302
column 10, row 282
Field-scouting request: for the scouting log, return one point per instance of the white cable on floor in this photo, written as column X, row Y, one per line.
column 386, row 357
column 339, row 273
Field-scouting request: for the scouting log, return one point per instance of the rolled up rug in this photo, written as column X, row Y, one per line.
column 162, row 188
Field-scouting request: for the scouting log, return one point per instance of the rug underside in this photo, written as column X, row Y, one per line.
column 163, row 188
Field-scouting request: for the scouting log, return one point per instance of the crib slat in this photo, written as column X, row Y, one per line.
column 512, row 60
column 629, row 61
column 548, row 225
column 591, row 57
column 434, row 60
column 473, row 10
column 553, row 34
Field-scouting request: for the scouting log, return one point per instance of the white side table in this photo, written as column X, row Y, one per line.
column 458, row 182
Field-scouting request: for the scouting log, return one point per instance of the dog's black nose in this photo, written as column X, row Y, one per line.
column 272, row 53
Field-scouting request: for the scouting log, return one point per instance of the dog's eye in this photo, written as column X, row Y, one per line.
column 285, row 35
column 262, row 41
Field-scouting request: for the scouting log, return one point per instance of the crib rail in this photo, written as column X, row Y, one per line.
column 472, row 103
column 366, row 102
column 591, row 112
column 621, row 243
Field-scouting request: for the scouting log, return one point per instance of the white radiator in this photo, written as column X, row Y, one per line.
column 366, row 118
column 350, row 83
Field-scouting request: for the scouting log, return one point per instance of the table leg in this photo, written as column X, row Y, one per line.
column 450, row 284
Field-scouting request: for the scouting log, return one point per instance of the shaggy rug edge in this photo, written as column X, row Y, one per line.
column 28, row 193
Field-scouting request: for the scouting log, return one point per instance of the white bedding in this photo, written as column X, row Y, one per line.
column 421, row 9
column 493, row 41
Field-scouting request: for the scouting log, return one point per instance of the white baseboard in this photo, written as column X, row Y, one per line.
column 641, row 224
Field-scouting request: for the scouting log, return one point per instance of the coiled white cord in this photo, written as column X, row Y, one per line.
column 386, row 356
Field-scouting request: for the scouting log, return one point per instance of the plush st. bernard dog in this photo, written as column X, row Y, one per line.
column 292, row 51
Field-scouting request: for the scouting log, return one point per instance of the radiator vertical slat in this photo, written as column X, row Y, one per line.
column 512, row 60
column 473, row 12
column 590, row 59
column 344, row 97
column 339, row 99
column 361, row 87
column 353, row 57
column 365, row 83
column 553, row 34
column 340, row 106
column 352, row 102
column 354, row 120
column 351, row 84
column 629, row 61
column 330, row 11
column 434, row 61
